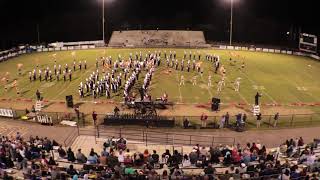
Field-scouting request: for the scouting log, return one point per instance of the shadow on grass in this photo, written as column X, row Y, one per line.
column 78, row 104
column 47, row 105
column 24, row 92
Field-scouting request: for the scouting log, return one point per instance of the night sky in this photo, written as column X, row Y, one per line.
column 255, row 21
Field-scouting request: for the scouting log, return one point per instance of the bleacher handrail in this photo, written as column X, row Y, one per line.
column 154, row 137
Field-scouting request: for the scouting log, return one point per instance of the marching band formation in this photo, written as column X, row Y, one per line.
column 123, row 74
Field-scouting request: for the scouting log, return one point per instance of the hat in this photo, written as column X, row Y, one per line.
column 194, row 150
column 243, row 165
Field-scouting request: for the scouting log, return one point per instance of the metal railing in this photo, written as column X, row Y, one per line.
column 267, row 121
column 56, row 117
column 71, row 138
column 284, row 120
column 152, row 137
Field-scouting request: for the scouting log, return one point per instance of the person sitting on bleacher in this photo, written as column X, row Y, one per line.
column 121, row 144
column 103, row 159
column 92, row 158
column 109, row 143
column 47, row 145
column 155, row 157
column 300, row 142
column 127, row 159
column 112, row 160
column 81, row 158
column 186, row 162
column 70, row 155
column 52, row 162
column 104, row 152
column 71, row 171
column 62, row 152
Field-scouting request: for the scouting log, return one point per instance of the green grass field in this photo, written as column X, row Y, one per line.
column 280, row 78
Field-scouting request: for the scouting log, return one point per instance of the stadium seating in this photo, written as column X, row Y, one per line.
column 153, row 38
column 44, row 158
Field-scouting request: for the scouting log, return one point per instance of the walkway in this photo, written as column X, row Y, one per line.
column 270, row 138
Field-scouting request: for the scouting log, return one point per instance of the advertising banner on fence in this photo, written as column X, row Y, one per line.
column 6, row 113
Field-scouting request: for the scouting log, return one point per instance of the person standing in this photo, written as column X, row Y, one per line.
column 220, row 83
column 182, row 80
column 222, row 121
column 275, row 118
column 77, row 111
column 227, row 117
column 258, row 120
column 57, row 76
column 40, row 75
column 38, row 95
column 30, row 76
column 209, row 81
column 244, row 118
column 185, row 123
column 70, row 75
column 80, row 65
column 237, row 84
column 194, row 80
column 74, row 65
column 238, row 119
column 256, row 99
column 94, row 117
column 203, row 119
column 64, row 76
column 55, row 69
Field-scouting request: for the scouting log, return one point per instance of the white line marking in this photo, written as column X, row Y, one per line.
column 252, row 82
column 301, row 88
column 80, row 78
column 208, row 88
column 179, row 87
column 242, row 97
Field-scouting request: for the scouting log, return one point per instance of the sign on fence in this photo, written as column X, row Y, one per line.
column 44, row 119
column 6, row 113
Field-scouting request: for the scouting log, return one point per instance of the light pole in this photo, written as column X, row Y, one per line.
column 103, row 21
column 231, row 22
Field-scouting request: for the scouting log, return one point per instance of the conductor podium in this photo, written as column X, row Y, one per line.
column 38, row 106
column 145, row 114
column 69, row 100
column 256, row 110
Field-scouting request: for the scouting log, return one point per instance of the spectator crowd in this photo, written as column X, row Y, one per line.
column 41, row 158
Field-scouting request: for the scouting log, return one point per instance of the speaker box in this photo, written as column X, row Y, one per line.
column 215, row 104
column 215, row 100
column 69, row 100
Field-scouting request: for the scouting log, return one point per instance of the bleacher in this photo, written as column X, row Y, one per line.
column 271, row 164
column 154, row 38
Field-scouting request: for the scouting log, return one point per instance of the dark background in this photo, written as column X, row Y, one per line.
column 255, row 21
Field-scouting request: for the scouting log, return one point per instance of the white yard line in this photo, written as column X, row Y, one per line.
column 25, row 132
column 11, row 131
column 303, row 92
column 21, row 90
column 208, row 88
column 254, row 83
column 80, row 78
column 179, row 87
column 242, row 97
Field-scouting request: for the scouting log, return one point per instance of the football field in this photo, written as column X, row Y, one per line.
column 281, row 79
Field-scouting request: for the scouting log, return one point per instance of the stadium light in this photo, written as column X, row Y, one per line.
column 231, row 22
column 103, row 22
column 231, row 19
column 103, row 19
